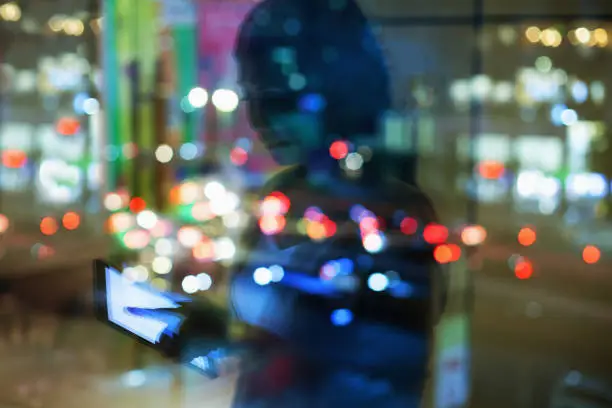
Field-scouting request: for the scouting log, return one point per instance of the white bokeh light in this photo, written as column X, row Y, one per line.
column 276, row 273
column 205, row 281
column 189, row 236
column 190, row 284
column 225, row 100
column 146, row 219
column 262, row 276
column 162, row 265
column 214, row 190
column 164, row 247
column 378, row 282
column 374, row 242
column 164, row 153
column 225, row 248
column 198, row 97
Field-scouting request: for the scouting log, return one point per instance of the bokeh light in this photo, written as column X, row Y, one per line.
column 48, row 226
column 527, row 236
column 197, row 97
column 435, row 234
column 473, row 235
column 71, row 220
column 409, row 226
column 164, row 153
column 4, row 223
column 447, row 253
column 378, row 282
column 137, row 204
column 523, row 269
column 225, row 100
column 339, row 149
column 591, row 254
column 190, row 284
column 113, row 202
column 272, row 224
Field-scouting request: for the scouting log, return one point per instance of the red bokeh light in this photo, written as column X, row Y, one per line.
column 339, row 149
column 527, row 236
column 71, row 220
column 523, row 269
column 491, row 169
column 14, row 159
column 48, row 226
column 447, row 253
column 137, row 204
column 443, row 254
column 435, row 234
column 368, row 225
column 591, row 254
column 330, row 227
column 67, row 126
column 409, row 226
column 239, row 156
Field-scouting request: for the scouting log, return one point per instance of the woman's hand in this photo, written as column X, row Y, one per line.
column 194, row 328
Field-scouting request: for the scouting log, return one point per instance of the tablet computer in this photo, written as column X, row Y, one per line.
column 115, row 295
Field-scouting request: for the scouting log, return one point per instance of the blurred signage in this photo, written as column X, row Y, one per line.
column 536, row 87
column 586, row 185
column 580, row 137
column 488, row 146
column 178, row 12
column 397, row 131
column 528, row 152
column 14, row 135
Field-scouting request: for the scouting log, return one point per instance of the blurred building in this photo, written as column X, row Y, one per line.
column 49, row 130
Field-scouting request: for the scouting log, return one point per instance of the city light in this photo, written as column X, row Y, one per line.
column 591, row 254
column 113, row 202
column 71, row 220
column 197, row 97
column 164, row 153
column 162, row 265
column 473, row 235
column 10, row 12
column 378, row 282
column 190, row 284
column 4, row 223
column 339, row 149
column 225, row 100
column 583, row 35
column 48, row 226
column 435, row 234
column 523, row 269
column 73, row 26
column 533, row 34
column 526, row 236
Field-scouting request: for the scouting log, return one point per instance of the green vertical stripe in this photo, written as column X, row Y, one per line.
column 111, row 87
column 185, row 48
column 147, row 48
column 125, row 24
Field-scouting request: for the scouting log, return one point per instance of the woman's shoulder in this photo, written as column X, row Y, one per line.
column 282, row 179
column 412, row 199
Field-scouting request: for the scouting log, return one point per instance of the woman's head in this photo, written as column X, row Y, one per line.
column 311, row 71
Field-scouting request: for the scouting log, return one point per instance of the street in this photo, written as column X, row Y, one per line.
column 525, row 338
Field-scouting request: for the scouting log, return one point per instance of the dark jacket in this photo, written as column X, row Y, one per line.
column 381, row 357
